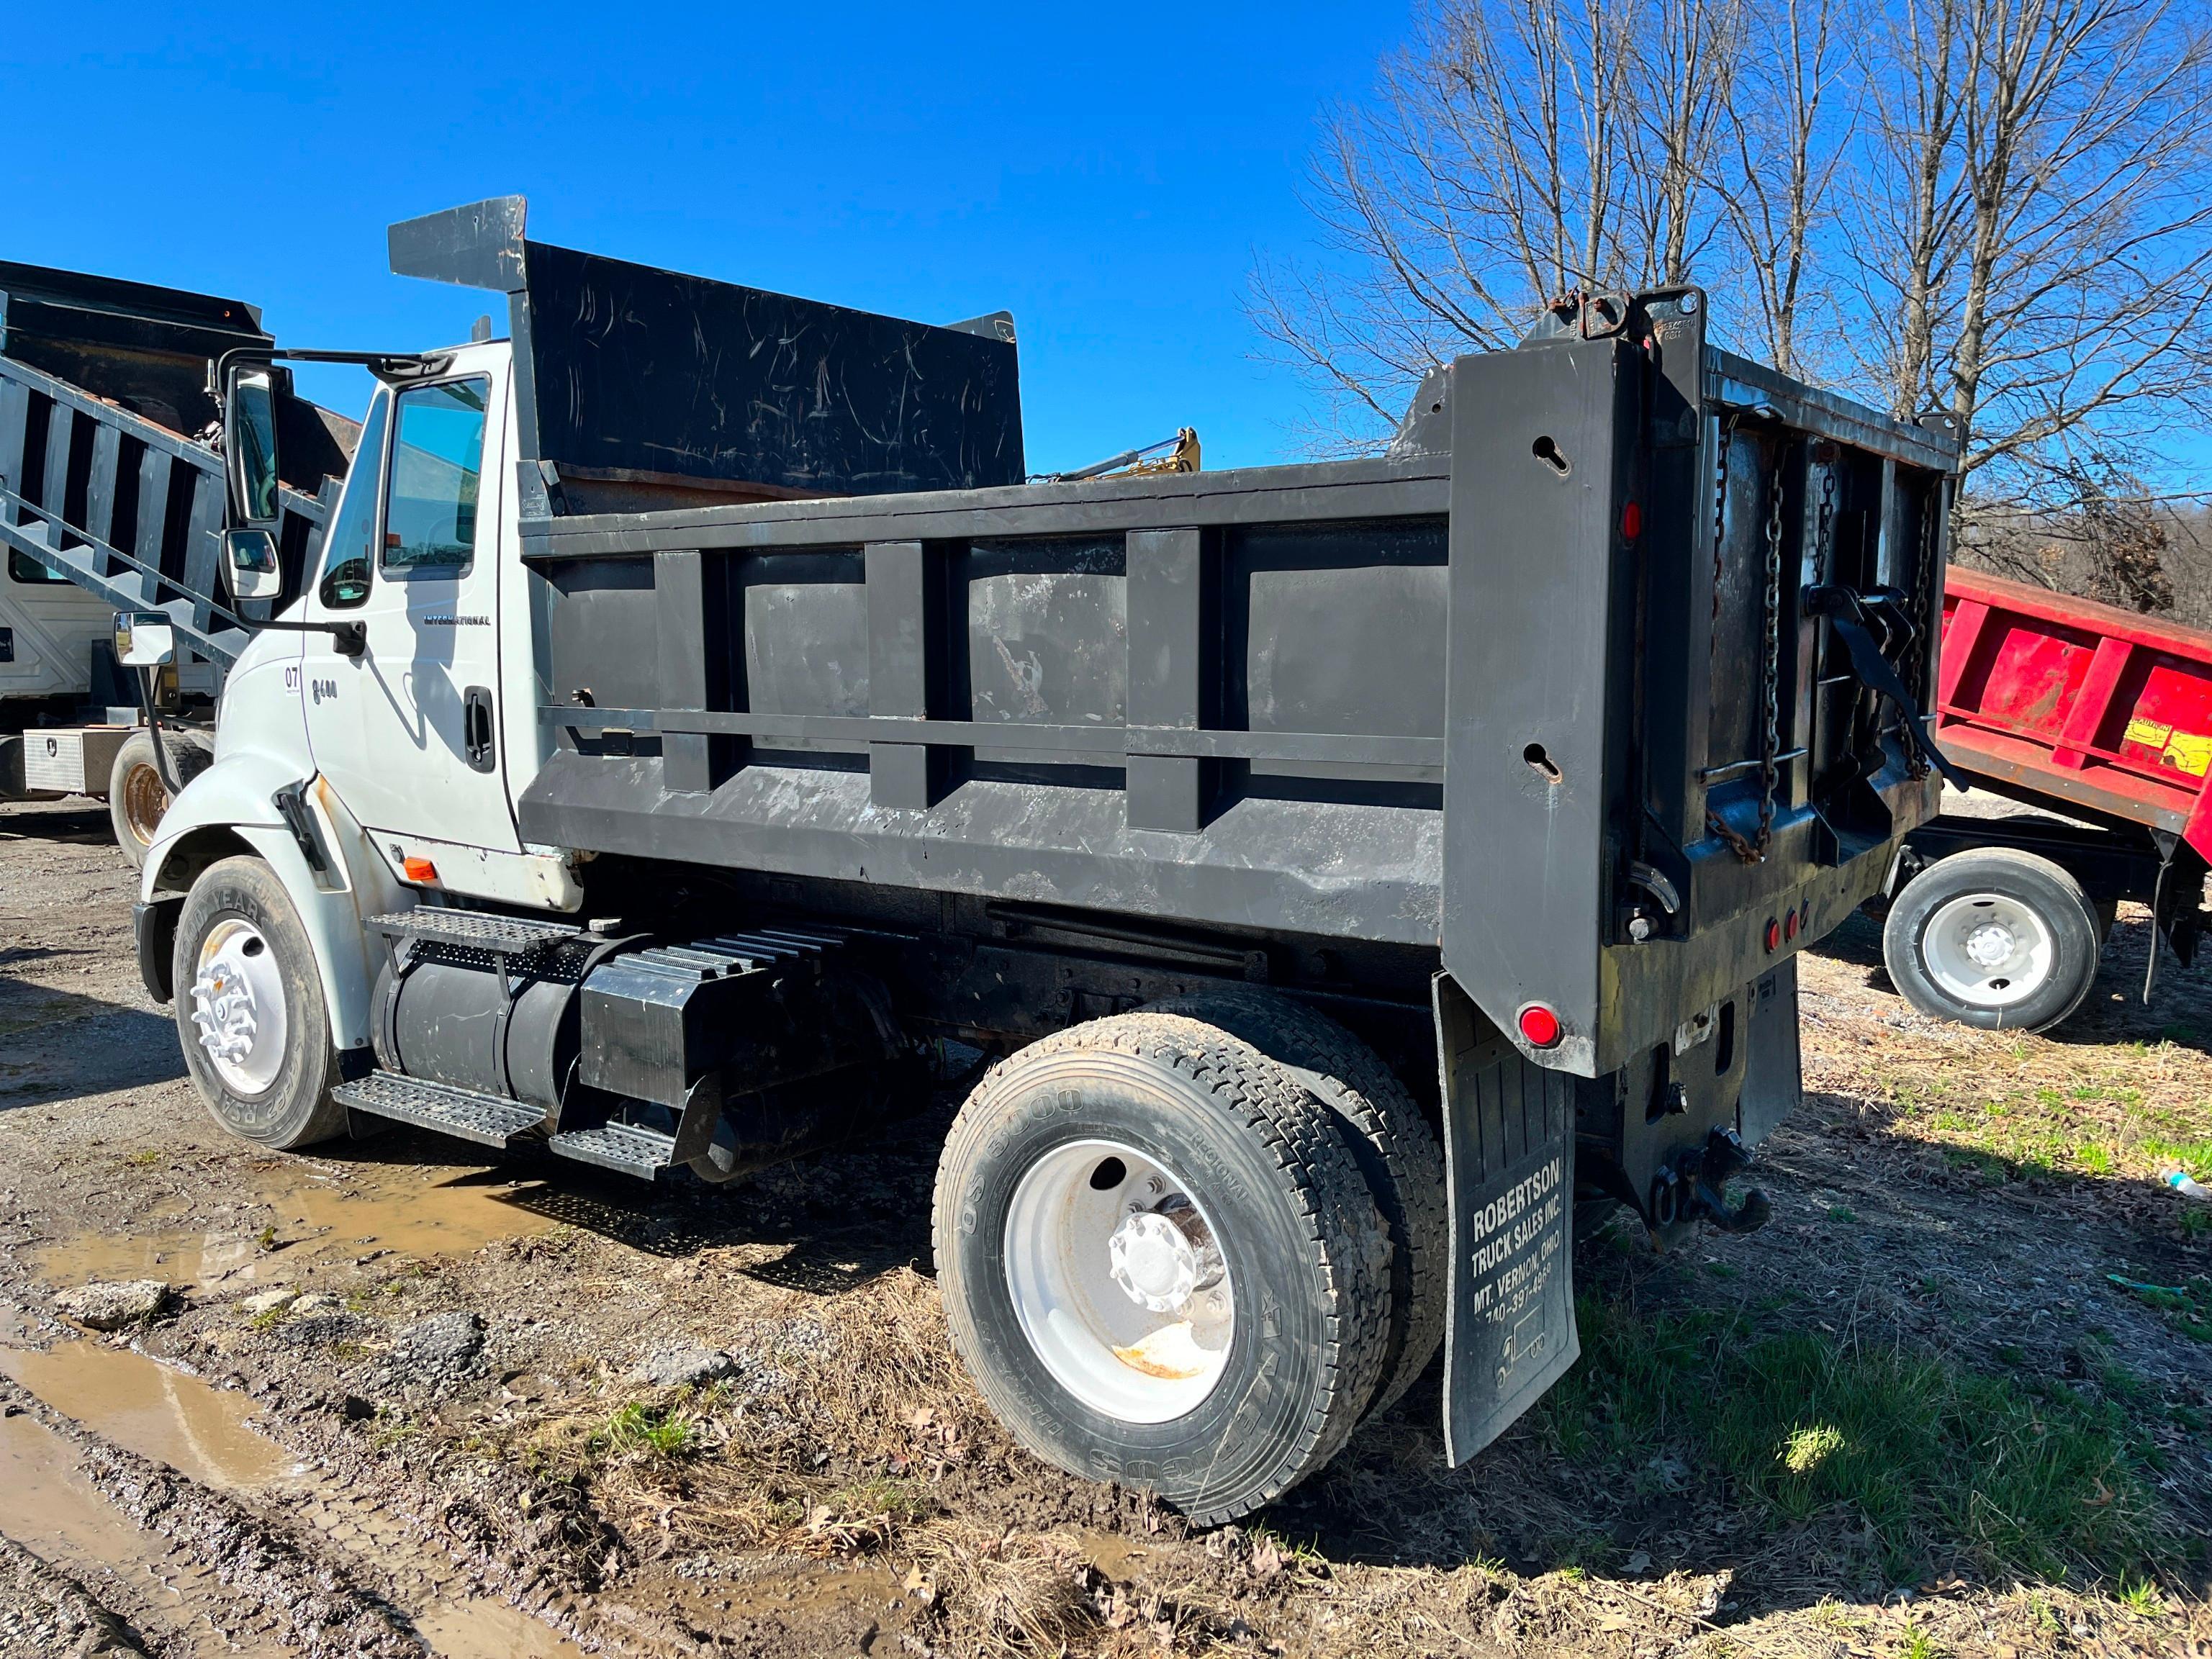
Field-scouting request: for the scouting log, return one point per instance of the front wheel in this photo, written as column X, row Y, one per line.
column 1995, row 938
column 250, row 1012
column 1161, row 1262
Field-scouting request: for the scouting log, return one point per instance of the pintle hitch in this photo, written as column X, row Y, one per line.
column 1691, row 1191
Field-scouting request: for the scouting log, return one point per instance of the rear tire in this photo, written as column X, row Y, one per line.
column 136, row 796
column 250, row 1012
column 1994, row 938
column 1217, row 1351
column 1398, row 1155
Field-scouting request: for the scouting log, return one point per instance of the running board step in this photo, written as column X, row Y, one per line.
column 521, row 938
column 623, row 1147
column 488, row 1119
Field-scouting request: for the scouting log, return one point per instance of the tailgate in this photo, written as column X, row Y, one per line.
column 1693, row 609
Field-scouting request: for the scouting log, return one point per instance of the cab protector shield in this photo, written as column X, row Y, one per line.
column 1509, row 1155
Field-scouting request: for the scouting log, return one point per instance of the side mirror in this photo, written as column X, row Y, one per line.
column 249, row 446
column 250, row 557
column 144, row 639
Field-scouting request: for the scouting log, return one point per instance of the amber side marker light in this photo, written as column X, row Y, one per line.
column 418, row 869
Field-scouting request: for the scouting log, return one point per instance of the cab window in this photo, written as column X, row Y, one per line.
column 437, row 471
column 348, row 551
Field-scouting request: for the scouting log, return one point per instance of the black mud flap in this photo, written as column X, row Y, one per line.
column 1510, row 1150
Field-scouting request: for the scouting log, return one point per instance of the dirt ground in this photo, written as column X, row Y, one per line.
column 1953, row 1400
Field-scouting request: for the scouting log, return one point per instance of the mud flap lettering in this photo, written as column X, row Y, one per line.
column 1509, row 1151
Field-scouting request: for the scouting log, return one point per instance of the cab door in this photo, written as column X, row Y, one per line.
column 407, row 730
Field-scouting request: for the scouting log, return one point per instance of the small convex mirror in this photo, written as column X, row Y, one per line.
column 144, row 639
column 249, row 446
column 250, row 557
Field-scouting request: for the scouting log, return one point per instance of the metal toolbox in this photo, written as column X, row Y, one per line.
column 72, row 762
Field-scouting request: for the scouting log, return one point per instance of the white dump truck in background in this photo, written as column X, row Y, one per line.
column 109, row 500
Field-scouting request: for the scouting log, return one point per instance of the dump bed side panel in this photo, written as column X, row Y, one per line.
column 2100, row 708
column 1216, row 699
column 1606, row 699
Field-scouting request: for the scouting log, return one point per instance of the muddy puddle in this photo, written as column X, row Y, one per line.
column 168, row 1415
column 485, row 1629
column 154, row 1410
column 305, row 1212
column 52, row 1510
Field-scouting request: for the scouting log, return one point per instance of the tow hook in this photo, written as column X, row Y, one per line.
column 1696, row 1194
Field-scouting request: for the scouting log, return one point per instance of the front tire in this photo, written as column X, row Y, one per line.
column 1994, row 938
column 250, row 1012
column 1161, row 1264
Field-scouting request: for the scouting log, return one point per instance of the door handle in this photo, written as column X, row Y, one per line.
column 478, row 742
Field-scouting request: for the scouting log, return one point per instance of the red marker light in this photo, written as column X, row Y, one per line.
column 1539, row 1025
column 1632, row 521
column 1773, row 935
column 1790, row 926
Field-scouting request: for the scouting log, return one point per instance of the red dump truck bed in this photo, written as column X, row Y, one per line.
column 2100, row 708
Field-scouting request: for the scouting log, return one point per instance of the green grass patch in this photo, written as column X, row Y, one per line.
column 1944, row 1466
column 642, row 1433
column 2194, row 1155
column 2187, row 1306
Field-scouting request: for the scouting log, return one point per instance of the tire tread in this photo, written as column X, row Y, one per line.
column 1344, row 1232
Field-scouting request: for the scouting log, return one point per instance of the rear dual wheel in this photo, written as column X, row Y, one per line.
column 137, row 795
column 1161, row 1263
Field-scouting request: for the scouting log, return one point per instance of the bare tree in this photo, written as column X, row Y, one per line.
column 2032, row 228
column 2115, row 541
column 1996, row 208
column 1516, row 149
column 1787, row 126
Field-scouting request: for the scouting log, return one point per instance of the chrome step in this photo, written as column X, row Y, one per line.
column 488, row 1119
column 623, row 1147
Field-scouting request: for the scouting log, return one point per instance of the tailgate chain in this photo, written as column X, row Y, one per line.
column 1917, row 737
column 1769, row 673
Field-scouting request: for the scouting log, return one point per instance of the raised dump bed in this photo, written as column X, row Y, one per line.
column 2101, row 719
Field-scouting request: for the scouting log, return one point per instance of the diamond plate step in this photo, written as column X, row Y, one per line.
column 488, row 1119
column 623, row 1146
column 521, row 937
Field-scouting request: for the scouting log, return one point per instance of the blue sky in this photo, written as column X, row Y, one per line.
column 1109, row 175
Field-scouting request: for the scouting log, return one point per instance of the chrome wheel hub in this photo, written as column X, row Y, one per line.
column 1161, row 1257
column 238, row 1006
column 1991, row 945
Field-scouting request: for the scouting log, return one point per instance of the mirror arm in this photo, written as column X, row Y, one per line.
column 349, row 639
column 162, row 768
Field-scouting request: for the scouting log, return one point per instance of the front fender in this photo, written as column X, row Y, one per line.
column 230, row 809
column 237, row 792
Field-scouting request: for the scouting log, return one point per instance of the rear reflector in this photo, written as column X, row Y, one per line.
column 1539, row 1025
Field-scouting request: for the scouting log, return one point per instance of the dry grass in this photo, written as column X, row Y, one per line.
column 824, row 1445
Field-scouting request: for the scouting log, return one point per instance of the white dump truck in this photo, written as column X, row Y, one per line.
column 1354, row 870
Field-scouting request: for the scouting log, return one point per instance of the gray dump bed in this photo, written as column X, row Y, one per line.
column 1542, row 691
